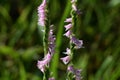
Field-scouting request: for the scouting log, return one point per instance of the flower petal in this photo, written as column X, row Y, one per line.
column 65, row 59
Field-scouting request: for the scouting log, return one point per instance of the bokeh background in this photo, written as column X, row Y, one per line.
column 21, row 41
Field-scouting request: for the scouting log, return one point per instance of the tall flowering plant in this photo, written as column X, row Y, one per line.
column 48, row 39
column 74, row 44
column 49, row 42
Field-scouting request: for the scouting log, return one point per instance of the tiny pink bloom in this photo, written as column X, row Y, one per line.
column 67, row 51
column 47, row 58
column 74, row 7
column 68, row 26
column 70, row 69
column 65, row 59
column 78, row 43
column 68, row 33
column 78, row 74
column 51, row 37
column 68, row 20
column 41, row 65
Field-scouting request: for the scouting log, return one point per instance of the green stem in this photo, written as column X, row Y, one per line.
column 45, row 37
column 44, row 76
column 45, row 42
column 68, row 76
column 73, row 15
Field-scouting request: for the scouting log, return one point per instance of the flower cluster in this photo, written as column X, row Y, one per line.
column 78, row 43
column 51, row 42
column 42, row 13
column 68, row 28
column 75, row 72
column 51, row 39
column 66, row 59
column 48, row 39
column 44, row 63
column 73, row 40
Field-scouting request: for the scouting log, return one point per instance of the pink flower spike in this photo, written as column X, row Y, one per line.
column 68, row 20
column 68, row 33
column 68, row 26
column 42, row 13
column 65, row 59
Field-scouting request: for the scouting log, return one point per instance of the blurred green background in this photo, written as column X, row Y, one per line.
column 21, row 41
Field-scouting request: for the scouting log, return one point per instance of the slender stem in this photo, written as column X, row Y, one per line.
column 68, row 76
column 71, row 50
column 44, row 76
column 45, row 42
column 45, row 37
column 73, row 14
